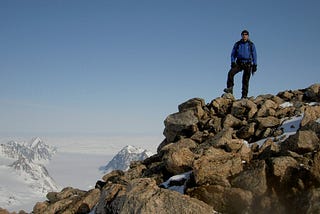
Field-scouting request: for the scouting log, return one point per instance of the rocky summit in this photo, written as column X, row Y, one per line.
column 255, row 155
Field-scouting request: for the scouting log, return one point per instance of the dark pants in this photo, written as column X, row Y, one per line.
column 246, row 68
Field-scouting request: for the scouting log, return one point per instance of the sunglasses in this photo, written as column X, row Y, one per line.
column 244, row 34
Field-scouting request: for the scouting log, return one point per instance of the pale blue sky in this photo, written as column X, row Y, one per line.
column 76, row 66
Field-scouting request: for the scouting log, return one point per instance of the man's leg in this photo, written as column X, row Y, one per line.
column 230, row 81
column 245, row 81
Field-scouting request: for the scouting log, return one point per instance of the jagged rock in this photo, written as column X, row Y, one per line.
column 111, row 199
column 282, row 167
column 178, row 157
column 65, row 193
column 312, row 126
column 136, row 170
column 312, row 113
column 69, row 200
column 244, row 108
column 268, row 108
column 196, row 105
column 312, row 93
column 180, row 124
column 285, row 95
column 301, row 142
column 162, row 144
column 213, row 125
column 221, row 139
column 269, row 149
column 221, row 106
column 312, row 204
column 315, row 170
column 253, row 178
column 233, row 122
column 116, row 176
column 247, row 131
column 267, row 122
column 224, row 199
column 4, row 211
column 215, row 166
column 144, row 196
column 285, row 112
column 200, row 137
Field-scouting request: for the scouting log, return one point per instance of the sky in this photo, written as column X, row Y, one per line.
column 104, row 67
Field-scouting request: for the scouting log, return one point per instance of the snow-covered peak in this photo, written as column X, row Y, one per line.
column 36, row 175
column 135, row 150
column 123, row 159
column 35, row 150
column 35, row 142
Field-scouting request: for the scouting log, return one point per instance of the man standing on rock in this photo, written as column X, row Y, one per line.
column 243, row 58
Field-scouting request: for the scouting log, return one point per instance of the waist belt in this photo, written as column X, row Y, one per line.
column 244, row 61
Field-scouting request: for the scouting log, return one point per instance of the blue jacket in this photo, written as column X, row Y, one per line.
column 244, row 51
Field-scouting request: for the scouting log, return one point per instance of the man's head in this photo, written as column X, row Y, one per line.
column 245, row 35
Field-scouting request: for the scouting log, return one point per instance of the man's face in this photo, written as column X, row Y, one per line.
column 245, row 36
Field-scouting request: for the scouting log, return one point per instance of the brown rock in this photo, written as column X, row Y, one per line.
column 196, row 105
column 267, row 122
column 244, row 108
column 282, row 166
column 311, row 113
column 253, row 178
column 144, row 196
column 231, row 121
column 180, row 124
column 315, row 170
column 268, row 108
column 222, row 105
column 312, row 94
column 301, row 142
column 215, row 166
column 224, row 199
column 178, row 157
column 247, row 131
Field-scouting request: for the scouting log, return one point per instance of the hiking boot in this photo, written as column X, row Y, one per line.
column 228, row 90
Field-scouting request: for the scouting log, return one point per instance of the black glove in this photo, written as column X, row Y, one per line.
column 233, row 64
column 254, row 68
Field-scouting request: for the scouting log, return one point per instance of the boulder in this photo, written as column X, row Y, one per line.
column 231, row 121
column 313, row 202
column 180, row 124
column 68, row 201
column 268, row 149
column 224, row 199
column 315, row 169
column 178, row 157
column 221, row 105
column 301, row 142
column 246, row 131
column 144, row 196
column 215, row 166
column 267, row 122
column 244, row 108
column 311, row 114
column 282, row 168
column 196, row 105
column 312, row 93
column 268, row 108
column 253, row 178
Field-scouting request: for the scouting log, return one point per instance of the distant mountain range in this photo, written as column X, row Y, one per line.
column 122, row 160
column 35, row 150
column 22, row 172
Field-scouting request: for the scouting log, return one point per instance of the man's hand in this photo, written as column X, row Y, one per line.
column 254, row 69
column 233, row 64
